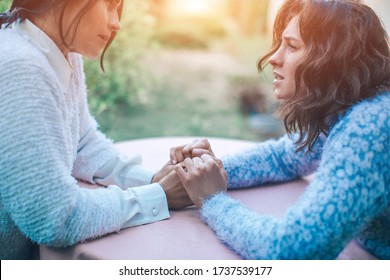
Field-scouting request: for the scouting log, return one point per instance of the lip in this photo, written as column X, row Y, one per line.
column 278, row 79
column 105, row 38
column 278, row 76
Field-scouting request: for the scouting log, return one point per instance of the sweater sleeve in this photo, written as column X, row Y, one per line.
column 37, row 189
column 97, row 160
column 271, row 161
column 350, row 189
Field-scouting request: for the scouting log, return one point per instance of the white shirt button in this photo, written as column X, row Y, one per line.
column 154, row 212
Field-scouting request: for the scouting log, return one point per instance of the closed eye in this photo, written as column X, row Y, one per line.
column 292, row 43
column 292, row 46
column 114, row 2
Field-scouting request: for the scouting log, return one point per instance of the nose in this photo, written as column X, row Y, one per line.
column 114, row 23
column 276, row 58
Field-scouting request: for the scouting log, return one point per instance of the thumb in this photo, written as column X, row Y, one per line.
column 181, row 173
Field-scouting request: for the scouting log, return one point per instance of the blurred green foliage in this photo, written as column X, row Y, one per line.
column 4, row 5
column 190, row 32
column 131, row 100
column 125, row 82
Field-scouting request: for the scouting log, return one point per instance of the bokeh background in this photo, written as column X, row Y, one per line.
column 188, row 68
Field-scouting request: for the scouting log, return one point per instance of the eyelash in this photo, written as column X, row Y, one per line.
column 292, row 46
column 114, row 2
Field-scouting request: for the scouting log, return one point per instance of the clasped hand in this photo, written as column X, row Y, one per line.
column 192, row 174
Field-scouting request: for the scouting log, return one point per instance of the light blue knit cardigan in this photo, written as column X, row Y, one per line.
column 348, row 198
column 42, row 137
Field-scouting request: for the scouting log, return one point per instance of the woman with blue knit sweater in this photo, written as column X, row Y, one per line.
column 331, row 64
column 48, row 138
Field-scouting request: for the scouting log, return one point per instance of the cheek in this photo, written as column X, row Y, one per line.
column 292, row 67
column 86, row 47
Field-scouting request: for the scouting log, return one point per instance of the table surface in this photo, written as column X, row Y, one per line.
column 183, row 235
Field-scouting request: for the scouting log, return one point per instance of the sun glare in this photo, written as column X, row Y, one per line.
column 192, row 7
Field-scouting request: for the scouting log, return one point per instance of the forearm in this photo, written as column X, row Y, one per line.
column 94, row 151
column 270, row 161
column 309, row 230
column 349, row 189
column 142, row 205
column 62, row 214
column 124, row 172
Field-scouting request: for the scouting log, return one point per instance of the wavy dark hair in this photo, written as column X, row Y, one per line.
column 26, row 9
column 347, row 61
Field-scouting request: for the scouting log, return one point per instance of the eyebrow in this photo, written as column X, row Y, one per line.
column 293, row 39
column 290, row 38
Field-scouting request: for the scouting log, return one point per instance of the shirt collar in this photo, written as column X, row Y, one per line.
column 56, row 58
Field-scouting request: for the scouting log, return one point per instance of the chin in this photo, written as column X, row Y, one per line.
column 282, row 95
column 93, row 56
column 278, row 95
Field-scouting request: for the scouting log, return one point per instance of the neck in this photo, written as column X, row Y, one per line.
column 48, row 23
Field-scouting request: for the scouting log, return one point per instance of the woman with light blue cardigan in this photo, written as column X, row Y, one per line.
column 331, row 63
column 49, row 140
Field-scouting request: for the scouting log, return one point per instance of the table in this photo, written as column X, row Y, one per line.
column 184, row 236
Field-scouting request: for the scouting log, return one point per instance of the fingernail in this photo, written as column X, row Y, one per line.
column 174, row 161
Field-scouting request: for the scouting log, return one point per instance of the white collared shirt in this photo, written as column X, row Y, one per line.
column 142, row 201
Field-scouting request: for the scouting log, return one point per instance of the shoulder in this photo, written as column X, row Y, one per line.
column 19, row 55
column 25, row 73
column 370, row 116
column 374, row 112
column 23, row 67
column 374, row 105
column 364, row 130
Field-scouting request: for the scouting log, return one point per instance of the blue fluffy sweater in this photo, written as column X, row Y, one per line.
column 349, row 198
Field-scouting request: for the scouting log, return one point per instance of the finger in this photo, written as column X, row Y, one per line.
column 181, row 171
column 201, row 144
column 217, row 160
column 172, row 155
column 176, row 154
column 197, row 162
column 208, row 161
column 219, row 163
column 196, row 144
column 187, row 151
column 224, row 174
column 199, row 152
column 189, row 164
column 207, row 158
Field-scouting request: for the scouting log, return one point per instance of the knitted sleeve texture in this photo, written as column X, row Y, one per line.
column 37, row 189
column 94, row 148
column 271, row 161
column 350, row 190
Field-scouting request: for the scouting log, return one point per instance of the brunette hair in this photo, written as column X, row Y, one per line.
column 25, row 9
column 347, row 61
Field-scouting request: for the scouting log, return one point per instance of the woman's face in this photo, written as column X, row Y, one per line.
column 95, row 28
column 285, row 60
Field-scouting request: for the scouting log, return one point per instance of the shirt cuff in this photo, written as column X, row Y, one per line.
column 124, row 172
column 143, row 205
column 142, row 175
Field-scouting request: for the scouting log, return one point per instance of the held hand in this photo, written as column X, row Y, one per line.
column 202, row 177
column 176, row 194
column 195, row 149
column 164, row 171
